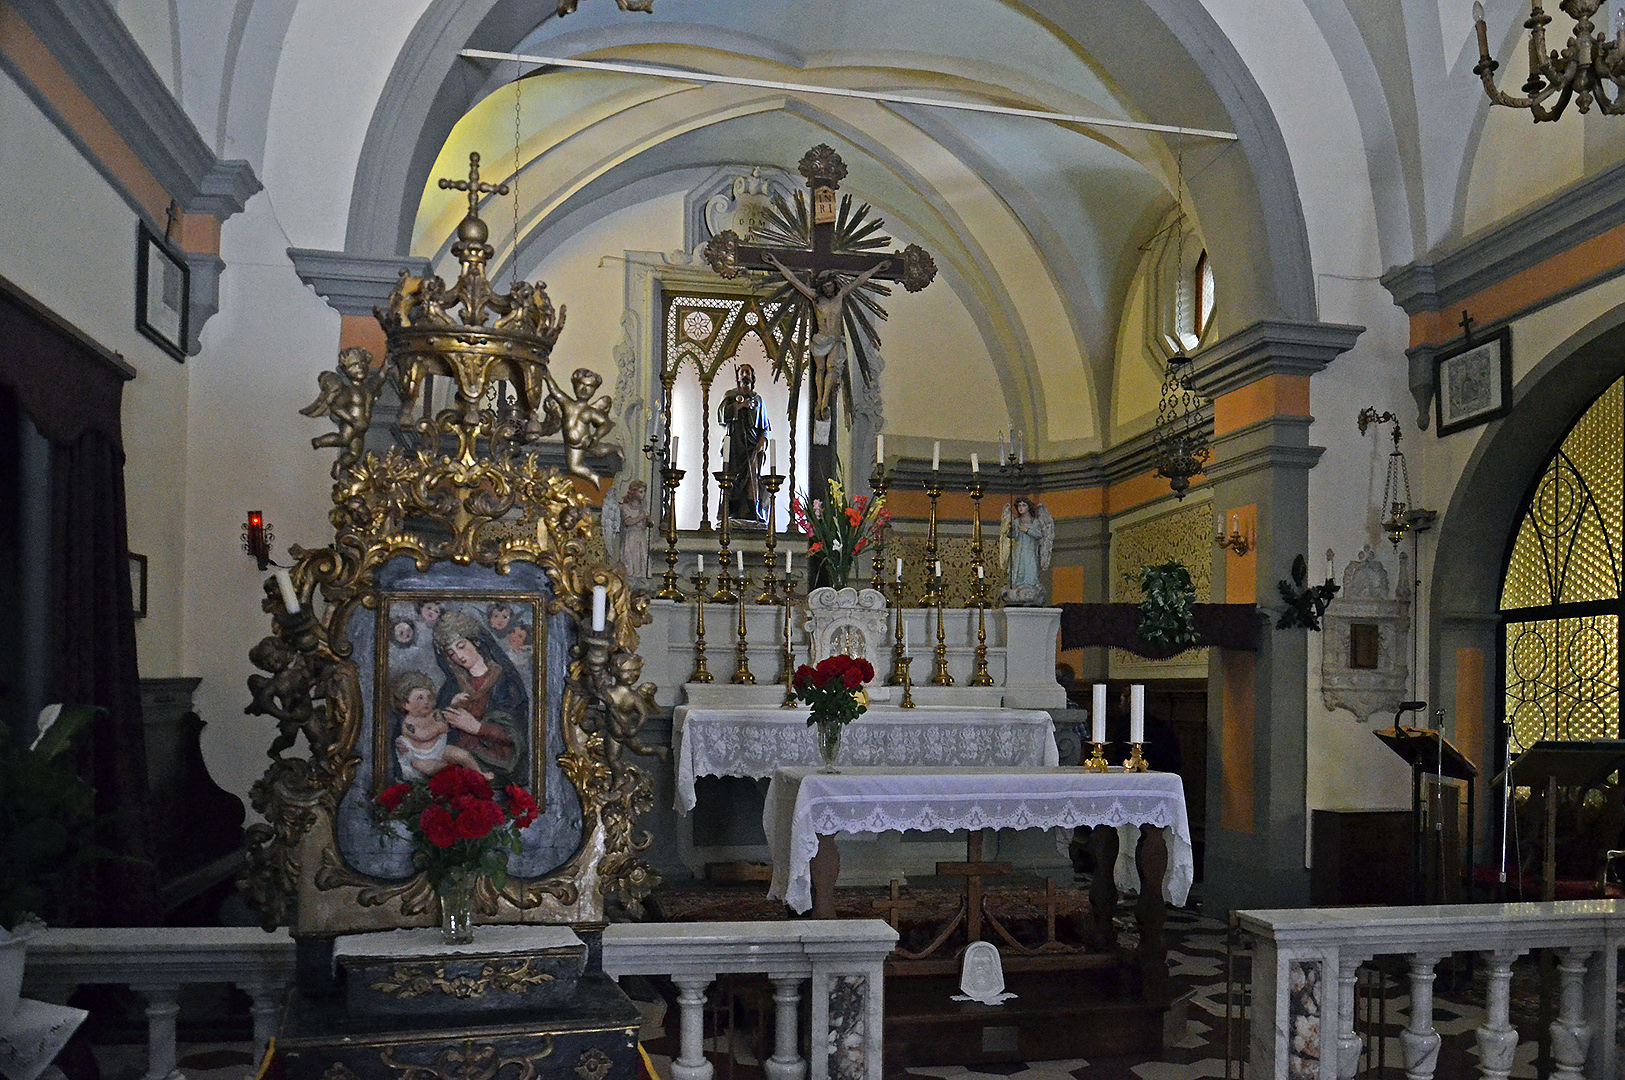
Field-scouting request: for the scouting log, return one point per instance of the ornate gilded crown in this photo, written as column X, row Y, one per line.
column 490, row 336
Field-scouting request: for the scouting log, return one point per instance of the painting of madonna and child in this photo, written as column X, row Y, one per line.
column 458, row 679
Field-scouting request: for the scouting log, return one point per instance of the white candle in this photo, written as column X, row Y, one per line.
column 978, row 571
column 1329, row 571
column 1136, row 713
column 1097, row 721
column 787, row 554
column 725, row 451
column 600, row 602
column 290, row 599
column 936, row 455
column 772, row 455
column 1021, row 453
column 1235, row 524
column 899, row 570
column 975, row 464
column 880, row 449
column 699, row 564
column 673, row 462
column 939, row 568
column 741, row 556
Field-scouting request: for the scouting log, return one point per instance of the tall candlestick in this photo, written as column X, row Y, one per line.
column 600, row 604
column 1098, row 721
column 1136, row 714
column 290, row 599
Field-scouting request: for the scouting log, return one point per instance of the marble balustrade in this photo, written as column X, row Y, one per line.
column 842, row 959
column 1305, row 963
column 156, row 961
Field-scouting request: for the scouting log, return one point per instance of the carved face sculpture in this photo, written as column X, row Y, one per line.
column 586, row 382
column 745, row 379
column 1023, row 507
column 827, row 285
column 635, row 491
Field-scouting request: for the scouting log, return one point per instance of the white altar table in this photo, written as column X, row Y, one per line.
column 754, row 742
column 804, row 803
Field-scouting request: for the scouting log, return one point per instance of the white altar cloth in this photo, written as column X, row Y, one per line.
column 754, row 742
column 803, row 803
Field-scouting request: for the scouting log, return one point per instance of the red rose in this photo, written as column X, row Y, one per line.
column 437, row 825
column 521, row 805
column 865, row 667
column 454, row 780
column 851, row 678
column 805, row 677
column 390, row 798
column 479, row 818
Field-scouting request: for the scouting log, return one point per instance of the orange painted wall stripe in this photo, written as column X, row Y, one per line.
column 1564, row 270
column 25, row 50
column 1236, row 793
column 198, row 233
column 1068, row 584
column 1273, row 395
column 363, row 330
column 1076, row 502
column 1241, row 571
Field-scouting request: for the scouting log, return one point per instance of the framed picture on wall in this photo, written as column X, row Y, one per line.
column 138, row 584
column 1472, row 384
column 162, row 293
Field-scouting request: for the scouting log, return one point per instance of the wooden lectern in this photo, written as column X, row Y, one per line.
column 1428, row 752
column 1551, row 764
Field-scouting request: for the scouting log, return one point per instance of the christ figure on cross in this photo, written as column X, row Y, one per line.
column 828, row 346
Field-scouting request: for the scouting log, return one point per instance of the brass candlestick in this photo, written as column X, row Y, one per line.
column 982, row 677
column 933, row 595
column 977, row 488
column 771, row 482
column 1097, row 760
column 742, row 675
column 939, row 666
column 670, row 477
column 1136, row 760
column 877, row 578
column 908, row 687
column 724, row 593
column 899, row 664
column 787, row 659
column 700, row 674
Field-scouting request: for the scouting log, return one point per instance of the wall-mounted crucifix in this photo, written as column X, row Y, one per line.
column 831, row 261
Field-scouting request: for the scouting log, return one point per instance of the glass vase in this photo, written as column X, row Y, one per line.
column 829, row 743
column 456, row 895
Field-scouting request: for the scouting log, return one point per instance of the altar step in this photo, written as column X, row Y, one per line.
column 1055, row 1016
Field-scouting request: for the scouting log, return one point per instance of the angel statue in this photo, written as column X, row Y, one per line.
column 1026, row 539
column 626, row 530
column 346, row 397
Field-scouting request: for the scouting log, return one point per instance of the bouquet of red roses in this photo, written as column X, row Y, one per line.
column 460, row 826
column 832, row 688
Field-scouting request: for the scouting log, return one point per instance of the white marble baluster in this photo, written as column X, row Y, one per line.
column 1571, row 1035
column 786, row 1062
column 691, row 1063
column 1348, row 1042
column 163, row 1006
column 264, row 1002
column 1420, row 1041
column 1498, row 1039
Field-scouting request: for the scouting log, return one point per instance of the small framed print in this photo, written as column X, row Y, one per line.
column 138, row 584
column 163, row 308
column 1472, row 384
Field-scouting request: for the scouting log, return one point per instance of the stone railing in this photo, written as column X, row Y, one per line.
column 1305, row 963
column 843, row 958
column 156, row 962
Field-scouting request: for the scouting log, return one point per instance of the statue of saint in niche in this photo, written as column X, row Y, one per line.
column 745, row 418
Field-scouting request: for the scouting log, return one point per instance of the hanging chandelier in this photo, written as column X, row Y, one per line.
column 1181, row 447
column 1398, row 480
column 1590, row 60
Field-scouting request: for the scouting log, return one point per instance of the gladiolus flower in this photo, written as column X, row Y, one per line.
column 853, row 516
column 815, row 546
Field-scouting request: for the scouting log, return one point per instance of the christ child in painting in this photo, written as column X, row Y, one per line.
column 424, row 747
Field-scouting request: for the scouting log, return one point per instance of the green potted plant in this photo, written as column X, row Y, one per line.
column 47, row 822
column 1166, row 618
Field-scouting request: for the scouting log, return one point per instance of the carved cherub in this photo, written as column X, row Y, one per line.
column 285, row 694
column 624, row 706
column 583, row 419
column 346, row 397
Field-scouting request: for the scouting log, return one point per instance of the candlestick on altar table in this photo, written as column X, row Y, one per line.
column 981, row 676
column 933, row 490
column 877, row 558
column 670, row 477
column 1136, row 714
column 899, row 667
column 700, row 674
column 724, row 593
column 787, row 660
column 771, row 484
column 977, row 488
column 742, row 675
column 939, row 667
column 1097, row 721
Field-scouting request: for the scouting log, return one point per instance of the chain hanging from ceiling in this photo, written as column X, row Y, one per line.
column 1181, row 448
column 1397, row 481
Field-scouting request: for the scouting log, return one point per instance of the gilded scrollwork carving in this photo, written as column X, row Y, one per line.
column 472, row 1061
column 593, row 1064
column 407, row 981
column 467, row 495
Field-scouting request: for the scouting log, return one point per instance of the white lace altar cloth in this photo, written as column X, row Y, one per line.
column 31, row 1037
column 754, row 742
column 803, row 803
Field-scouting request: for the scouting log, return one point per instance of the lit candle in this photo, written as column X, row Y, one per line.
column 975, row 465
column 880, row 449
column 1136, row 713
column 1098, row 721
column 936, row 455
column 899, row 570
column 1483, row 31
column 600, row 602
column 290, row 599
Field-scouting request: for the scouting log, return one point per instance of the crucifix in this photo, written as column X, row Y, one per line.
column 472, row 248
column 826, row 273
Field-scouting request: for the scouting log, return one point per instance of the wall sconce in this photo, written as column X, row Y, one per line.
column 1236, row 542
column 257, row 537
column 1305, row 603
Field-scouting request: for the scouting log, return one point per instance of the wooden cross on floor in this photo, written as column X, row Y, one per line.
column 820, row 265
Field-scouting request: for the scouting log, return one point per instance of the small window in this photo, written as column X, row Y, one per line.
column 1202, row 286
column 1363, row 642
